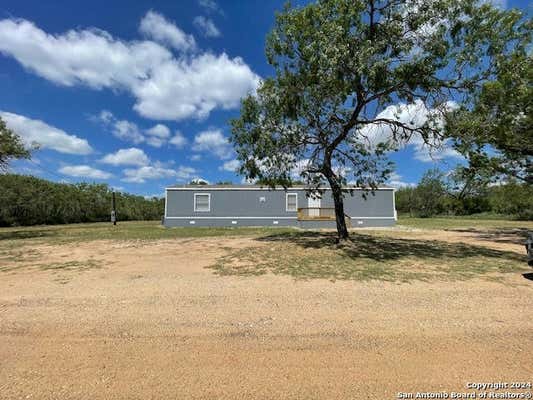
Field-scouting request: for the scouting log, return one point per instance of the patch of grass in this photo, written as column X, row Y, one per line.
column 62, row 271
column 25, row 263
column 153, row 230
column 17, row 254
column 13, row 256
column 71, row 265
column 313, row 255
column 462, row 223
column 135, row 230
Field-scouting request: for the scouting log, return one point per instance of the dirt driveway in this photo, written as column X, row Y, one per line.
column 148, row 320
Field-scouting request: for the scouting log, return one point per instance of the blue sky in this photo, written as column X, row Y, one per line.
column 138, row 94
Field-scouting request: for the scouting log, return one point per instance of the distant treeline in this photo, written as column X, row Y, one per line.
column 26, row 200
column 438, row 194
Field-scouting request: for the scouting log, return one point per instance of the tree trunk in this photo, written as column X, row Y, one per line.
column 338, row 199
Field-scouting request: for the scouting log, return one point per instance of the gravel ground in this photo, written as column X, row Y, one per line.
column 147, row 320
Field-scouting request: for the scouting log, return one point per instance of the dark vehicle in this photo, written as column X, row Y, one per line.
column 529, row 249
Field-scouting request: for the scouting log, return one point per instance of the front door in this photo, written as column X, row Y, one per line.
column 314, row 206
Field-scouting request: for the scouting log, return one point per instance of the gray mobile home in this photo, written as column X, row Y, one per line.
column 249, row 205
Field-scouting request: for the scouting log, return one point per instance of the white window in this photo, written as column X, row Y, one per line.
column 202, row 202
column 291, row 203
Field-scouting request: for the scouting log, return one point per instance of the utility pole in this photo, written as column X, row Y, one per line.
column 113, row 211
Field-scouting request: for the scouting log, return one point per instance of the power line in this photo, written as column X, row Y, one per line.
column 46, row 170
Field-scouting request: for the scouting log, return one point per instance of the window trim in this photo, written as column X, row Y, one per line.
column 208, row 202
column 287, row 202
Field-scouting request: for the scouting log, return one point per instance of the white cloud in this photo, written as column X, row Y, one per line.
column 441, row 151
column 131, row 156
column 157, row 27
column 413, row 115
column 165, row 86
column 120, row 128
column 206, row 26
column 209, row 5
column 213, row 141
column 84, row 171
column 128, row 131
column 178, row 140
column 160, row 131
column 158, row 135
column 396, row 181
column 156, row 195
column 105, row 117
column 299, row 167
column 230, row 166
column 195, row 157
column 48, row 137
column 183, row 89
column 151, row 172
column 91, row 57
column 498, row 3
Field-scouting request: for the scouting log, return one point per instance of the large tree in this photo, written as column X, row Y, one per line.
column 11, row 146
column 495, row 131
column 354, row 79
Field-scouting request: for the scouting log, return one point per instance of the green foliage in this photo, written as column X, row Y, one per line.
column 464, row 193
column 495, row 131
column 467, row 191
column 405, row 200
column 11, row 146
column 27, row 200
column 513, row 199
column 339, row 64
column 429, row 194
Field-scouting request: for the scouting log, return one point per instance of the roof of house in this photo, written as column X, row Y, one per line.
column 259, row 187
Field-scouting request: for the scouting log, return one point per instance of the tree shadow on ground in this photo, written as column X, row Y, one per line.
column 312, row 255
column 500, row 235
column 381, row 248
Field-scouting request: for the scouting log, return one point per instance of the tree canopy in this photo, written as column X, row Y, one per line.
column 27, row 200
column 11, row 146
column 355, row 79
column 464, row 193
column 495, row 132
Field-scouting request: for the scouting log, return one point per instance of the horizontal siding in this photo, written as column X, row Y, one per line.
column 246, row 203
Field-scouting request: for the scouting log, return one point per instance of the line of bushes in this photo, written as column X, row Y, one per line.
column 440, row 194
column 26, row 200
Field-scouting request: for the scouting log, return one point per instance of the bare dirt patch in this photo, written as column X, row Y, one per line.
column 152, row 319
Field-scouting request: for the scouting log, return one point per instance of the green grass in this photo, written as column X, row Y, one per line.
column 71, row 265
column 16, row 243
column 78, row 266
column 135, row 230
column 462, row 223
column 152, row 230
column 386, row 255
column 368, row 256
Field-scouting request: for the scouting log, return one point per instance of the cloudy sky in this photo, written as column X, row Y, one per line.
column 138, row 94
